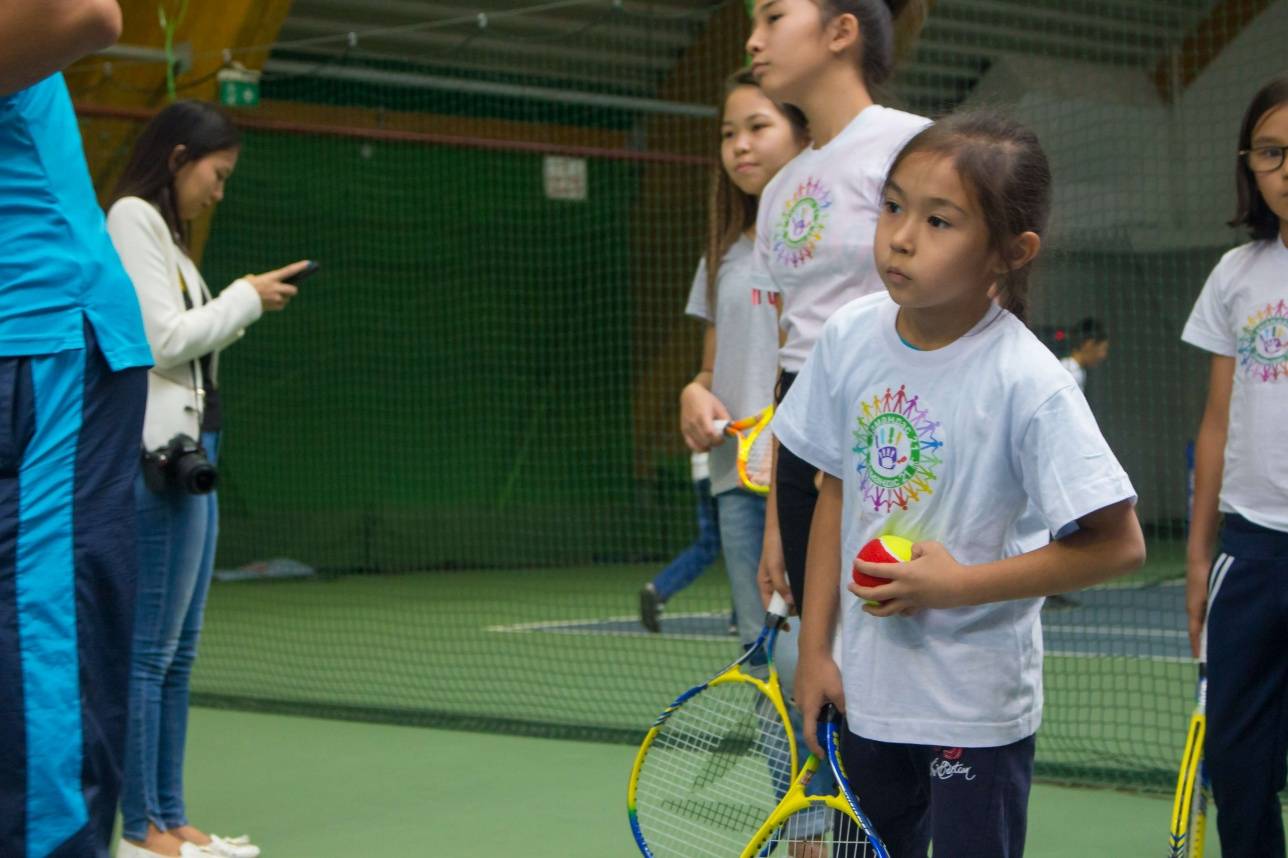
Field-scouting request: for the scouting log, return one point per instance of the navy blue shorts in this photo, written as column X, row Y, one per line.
column 970, row 802
column 69, row 449
column 1247, row 701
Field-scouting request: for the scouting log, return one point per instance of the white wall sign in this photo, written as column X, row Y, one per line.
column 565, row 178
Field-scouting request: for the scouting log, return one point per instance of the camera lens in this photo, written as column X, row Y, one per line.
column 196, row 474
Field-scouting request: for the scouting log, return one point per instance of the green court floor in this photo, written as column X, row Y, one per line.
column 311, row 788
column 559, row 652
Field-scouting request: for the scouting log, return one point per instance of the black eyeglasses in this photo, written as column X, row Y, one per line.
column 1263, row 159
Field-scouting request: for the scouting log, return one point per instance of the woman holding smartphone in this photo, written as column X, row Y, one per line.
column 176, row 172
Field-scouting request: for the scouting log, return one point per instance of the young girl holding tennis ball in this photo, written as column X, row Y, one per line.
column 1241, row 470
column 936, row 415
column 814, row 228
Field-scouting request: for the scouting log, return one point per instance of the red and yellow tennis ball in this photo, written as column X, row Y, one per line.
column 883, row 549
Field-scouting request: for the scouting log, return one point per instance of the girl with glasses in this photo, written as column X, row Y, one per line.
column 1238, row 605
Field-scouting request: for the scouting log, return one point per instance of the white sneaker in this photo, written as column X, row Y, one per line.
column 232, row 847
column 126, row 849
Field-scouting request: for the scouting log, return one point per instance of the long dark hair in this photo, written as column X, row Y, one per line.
column 198, row 126
column 1002, row 163
column 887, row 30
column 1087, row 330
column 733, row 211
column 1252, row 211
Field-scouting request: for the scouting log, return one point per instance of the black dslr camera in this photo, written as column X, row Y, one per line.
column 182, row 464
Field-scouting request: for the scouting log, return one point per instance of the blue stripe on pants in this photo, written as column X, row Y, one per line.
column 1247, row 703
column 69, row 442
column 46, row 595
column 16, row 428
column 107, row 460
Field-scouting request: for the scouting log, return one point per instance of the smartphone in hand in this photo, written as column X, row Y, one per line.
column 304, row 273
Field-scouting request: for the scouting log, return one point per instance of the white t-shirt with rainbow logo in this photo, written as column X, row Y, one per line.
column 1242, row 313
column 951, row 445
column 817, row 220
column 746, row 367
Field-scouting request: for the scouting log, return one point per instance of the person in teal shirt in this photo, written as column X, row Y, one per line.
column 73, row 384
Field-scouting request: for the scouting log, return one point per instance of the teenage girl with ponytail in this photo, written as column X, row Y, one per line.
column 817, row 217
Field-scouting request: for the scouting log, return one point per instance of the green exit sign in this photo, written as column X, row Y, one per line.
column 238, row 87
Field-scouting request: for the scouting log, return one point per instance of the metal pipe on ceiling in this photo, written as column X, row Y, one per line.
column 444, row 83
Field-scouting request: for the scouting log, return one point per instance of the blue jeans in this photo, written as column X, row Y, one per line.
column 176, row 547
column 692, row 561
column 742, row 528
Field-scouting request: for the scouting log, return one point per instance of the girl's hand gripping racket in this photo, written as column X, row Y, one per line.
column 716, row 760
column 755, row 448
column 819, row 826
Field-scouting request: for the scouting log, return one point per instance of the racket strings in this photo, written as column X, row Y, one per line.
column 760, row 456
column 819, row 831
column 713, row 774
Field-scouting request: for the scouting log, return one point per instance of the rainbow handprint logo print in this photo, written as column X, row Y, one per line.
column 1263, row 344
column 899, row 450
column 802, row 224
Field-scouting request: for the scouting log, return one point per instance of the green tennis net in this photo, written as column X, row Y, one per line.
column 450, row 466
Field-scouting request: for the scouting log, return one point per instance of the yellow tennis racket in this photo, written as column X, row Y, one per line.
column 819, row 826
column 716, row 760
column 755, row 448
column 1189, row 807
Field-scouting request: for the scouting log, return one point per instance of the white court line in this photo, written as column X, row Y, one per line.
column 1116, row 631
column 569, row 628
column 566, row 627
column 730, row 639
column 560, row 625
column 1175, row 659
column 1120, row 584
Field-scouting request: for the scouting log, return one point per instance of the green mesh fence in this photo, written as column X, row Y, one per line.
column 465, row 424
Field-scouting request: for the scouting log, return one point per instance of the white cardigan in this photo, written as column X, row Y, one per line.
column 178, row 337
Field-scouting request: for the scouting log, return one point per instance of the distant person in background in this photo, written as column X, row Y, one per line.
column 690, row 563
column 740, row 304
column 1089, row 349
column 72, row 387
column 175, row 173
column 740, row 307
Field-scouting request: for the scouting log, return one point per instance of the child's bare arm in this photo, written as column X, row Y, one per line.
column 1108, row 543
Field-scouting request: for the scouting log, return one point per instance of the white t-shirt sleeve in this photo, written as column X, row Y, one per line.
column 1067, row 467
column 1075, row 369
column 810, row 419
column 1209, row 325
column 698, row 306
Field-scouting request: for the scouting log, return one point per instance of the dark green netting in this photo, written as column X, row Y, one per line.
column 465, row 424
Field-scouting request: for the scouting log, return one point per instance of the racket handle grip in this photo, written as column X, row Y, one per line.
column 778, row 606
column 718, row 426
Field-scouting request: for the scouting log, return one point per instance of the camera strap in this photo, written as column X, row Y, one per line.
column 198, row 392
